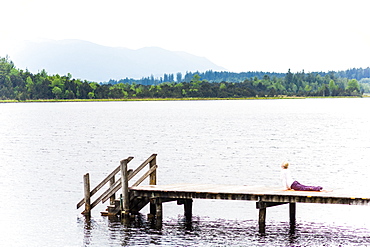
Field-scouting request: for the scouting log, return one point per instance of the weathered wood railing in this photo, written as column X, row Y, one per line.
column 115, row 185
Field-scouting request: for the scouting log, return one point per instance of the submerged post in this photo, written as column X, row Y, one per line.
column 159, row 212
column 262, row 220
column 87, row 194
column 125, row 196
column 292, row 212
column 188, row 208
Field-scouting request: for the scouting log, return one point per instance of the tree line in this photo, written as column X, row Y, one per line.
column 23, row 85
column 360, row 74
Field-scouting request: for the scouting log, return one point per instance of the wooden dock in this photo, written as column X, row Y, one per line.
column 135, row 197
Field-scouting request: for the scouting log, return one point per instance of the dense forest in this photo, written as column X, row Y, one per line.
column 23, row 85
column 362, row 75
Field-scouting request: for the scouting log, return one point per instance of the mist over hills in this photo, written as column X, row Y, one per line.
column 93, row 62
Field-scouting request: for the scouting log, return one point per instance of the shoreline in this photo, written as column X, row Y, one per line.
column 173, row 99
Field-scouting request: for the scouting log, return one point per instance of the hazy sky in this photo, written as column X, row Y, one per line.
column 259, row 35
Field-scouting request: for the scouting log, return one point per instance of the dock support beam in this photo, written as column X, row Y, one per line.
column 262, row 220
column 262, row 206
column 87, row 211
column 125, row 195
column 152, row 208
column 158, row 212
column 188, row 207
column 292, row 212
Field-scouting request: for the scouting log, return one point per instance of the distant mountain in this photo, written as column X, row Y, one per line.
column 92, row 62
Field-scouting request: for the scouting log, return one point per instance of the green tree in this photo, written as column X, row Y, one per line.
column 332, row 88
column 57, row 92
column 179, row 77
column 289, row 77
column 353, row 87
column 308, row 88
column 30, row 86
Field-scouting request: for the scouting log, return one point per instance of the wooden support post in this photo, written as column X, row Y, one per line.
column 152, row 207
column 153, row 175
column 87, row 194
column 159, row 212
column 292, row 212
column 262, row 220
column 262, row 206
column 111, row 184
column 188, row 207
column 125, row 195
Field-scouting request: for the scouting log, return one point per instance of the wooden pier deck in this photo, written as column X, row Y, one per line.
column 248, row 193
column 264, row 196
column 134, row 198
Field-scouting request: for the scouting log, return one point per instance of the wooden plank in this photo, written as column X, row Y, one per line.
column 102, row 183
column 106, row 195
column 245, row 189
column 261, row 204
column 137, row 170
column 152, row 169
column 240, row 192
column 116, row 186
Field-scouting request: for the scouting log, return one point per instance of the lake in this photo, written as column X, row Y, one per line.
column 46, row 148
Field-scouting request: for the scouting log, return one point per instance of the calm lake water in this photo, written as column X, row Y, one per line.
column 46, row 148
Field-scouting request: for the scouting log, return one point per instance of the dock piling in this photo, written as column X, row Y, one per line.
column 292, row 212
column 125, row 195
column 262, row 220
column 159, row 212
column 86, row 178
column 152, row 208
column 188, row 208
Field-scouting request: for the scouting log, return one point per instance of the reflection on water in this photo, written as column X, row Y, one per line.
column 46, row 148
column 206, row 232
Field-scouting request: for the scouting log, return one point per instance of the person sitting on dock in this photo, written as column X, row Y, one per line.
column 291, row 184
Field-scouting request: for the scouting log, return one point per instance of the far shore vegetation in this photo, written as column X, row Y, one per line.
column 176, row 99
column 19, row 85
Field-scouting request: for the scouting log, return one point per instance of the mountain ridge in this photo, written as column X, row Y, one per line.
column 93, row 62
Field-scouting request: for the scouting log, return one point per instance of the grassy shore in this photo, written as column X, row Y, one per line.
column 170, row 99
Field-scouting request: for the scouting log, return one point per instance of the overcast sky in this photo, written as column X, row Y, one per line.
column 260, row 35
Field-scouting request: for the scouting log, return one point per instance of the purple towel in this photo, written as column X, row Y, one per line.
column 297, row 186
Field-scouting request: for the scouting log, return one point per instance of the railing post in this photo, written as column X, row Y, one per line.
column 153, row 181
column 125, row 195
column 87, row 194
column 153, row 175
column 111, row 184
